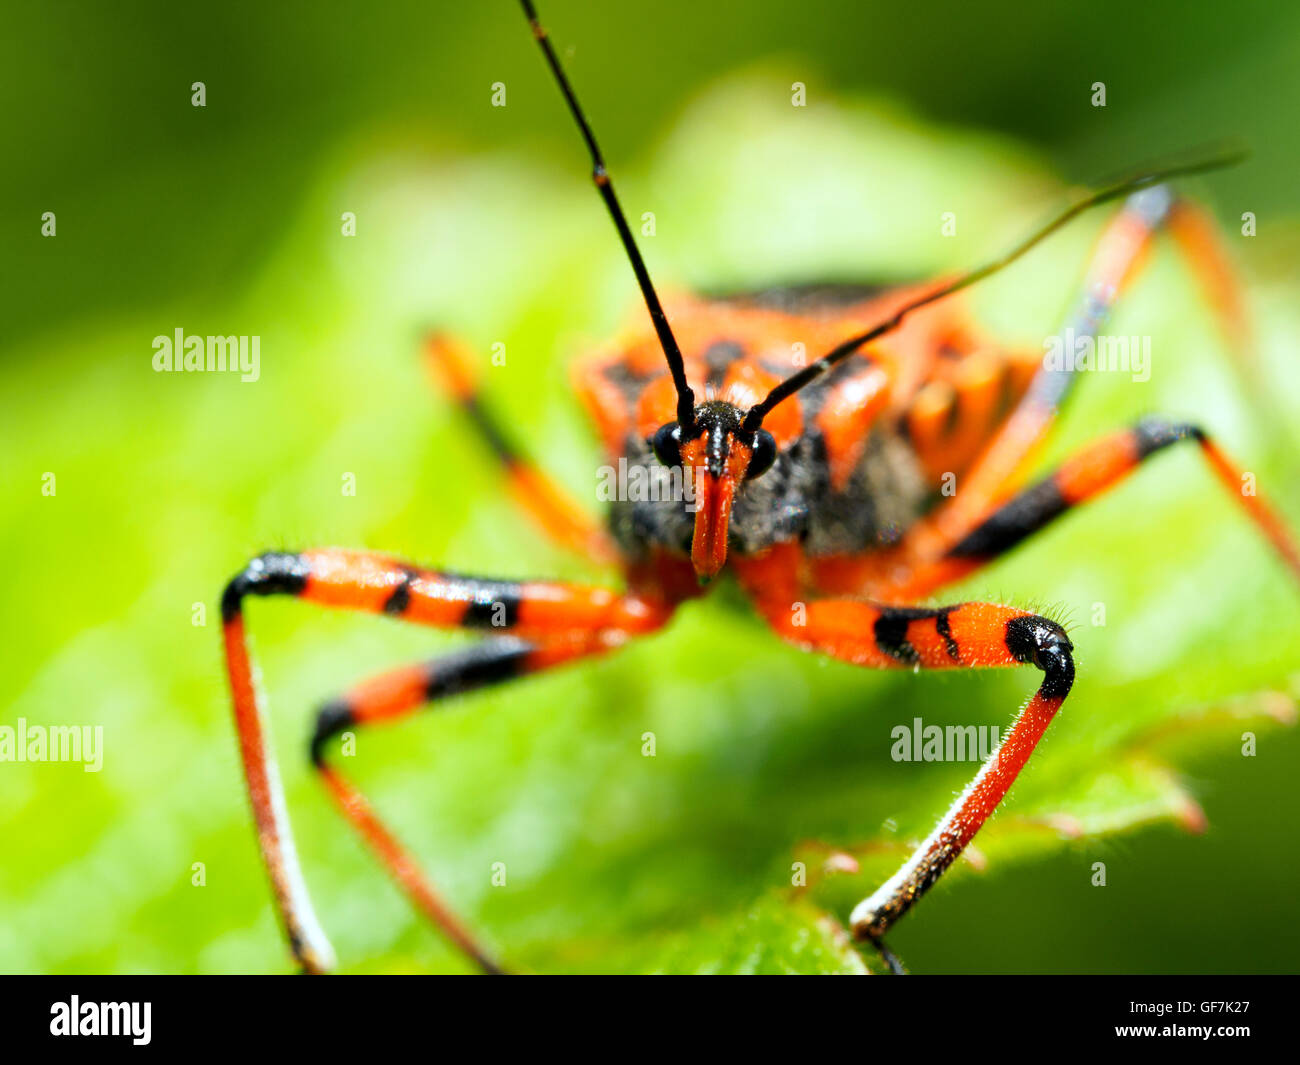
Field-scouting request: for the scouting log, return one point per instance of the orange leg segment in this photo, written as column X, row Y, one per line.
column 1120, row 254
column 1093, row 470
column 539, row 625
column 966, row 635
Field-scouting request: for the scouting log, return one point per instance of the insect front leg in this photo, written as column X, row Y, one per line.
column 550, row 623
column 963, row 636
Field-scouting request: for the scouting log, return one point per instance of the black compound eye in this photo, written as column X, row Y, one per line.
column 764, row 454
column 667, row 444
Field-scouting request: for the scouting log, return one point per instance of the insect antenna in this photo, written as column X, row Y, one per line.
column 600, row 175
column 1194, row 165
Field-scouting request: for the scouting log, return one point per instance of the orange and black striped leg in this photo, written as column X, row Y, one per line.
column 557, row 622
column 964, row 636
column 1119, row 256
column 1094, row 469
column 452, row 366
column 397, row 694
column 1118, row 260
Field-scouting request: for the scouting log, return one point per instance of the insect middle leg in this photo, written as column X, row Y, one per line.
column 547, row 624
column 399, row 693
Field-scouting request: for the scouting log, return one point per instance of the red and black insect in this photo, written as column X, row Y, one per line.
column 819, row 490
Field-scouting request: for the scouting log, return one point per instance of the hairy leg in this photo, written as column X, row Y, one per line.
column 555, row 621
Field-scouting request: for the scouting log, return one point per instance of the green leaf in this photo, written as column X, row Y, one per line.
column 681, row 862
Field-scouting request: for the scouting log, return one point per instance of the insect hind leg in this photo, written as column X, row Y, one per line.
column 1093, row 470
column 1117, row 261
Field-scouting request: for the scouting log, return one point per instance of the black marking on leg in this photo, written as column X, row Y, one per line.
column 333, row 718
column 1152, row 434
column 492, row 605
column 1042, row 642
column 943, row 626
column 1058, row 672
column 490, row 662
column 890, row 632
column 397, row 603
column 272, row 573
column 1012, row 522
column 488, row 429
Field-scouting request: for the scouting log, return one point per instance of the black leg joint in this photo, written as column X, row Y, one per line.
column 273, row 573
column 1153, row 434
column 333, row 718
column 1043, row 643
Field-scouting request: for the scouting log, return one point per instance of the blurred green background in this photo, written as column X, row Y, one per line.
column 226, row 219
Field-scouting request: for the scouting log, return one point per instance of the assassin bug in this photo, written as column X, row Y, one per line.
column 817, row 489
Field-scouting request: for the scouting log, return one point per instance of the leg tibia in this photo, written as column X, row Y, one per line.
column 1029, row 639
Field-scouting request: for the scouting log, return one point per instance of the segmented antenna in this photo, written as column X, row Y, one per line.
column 791, row 385
column 599, row 175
